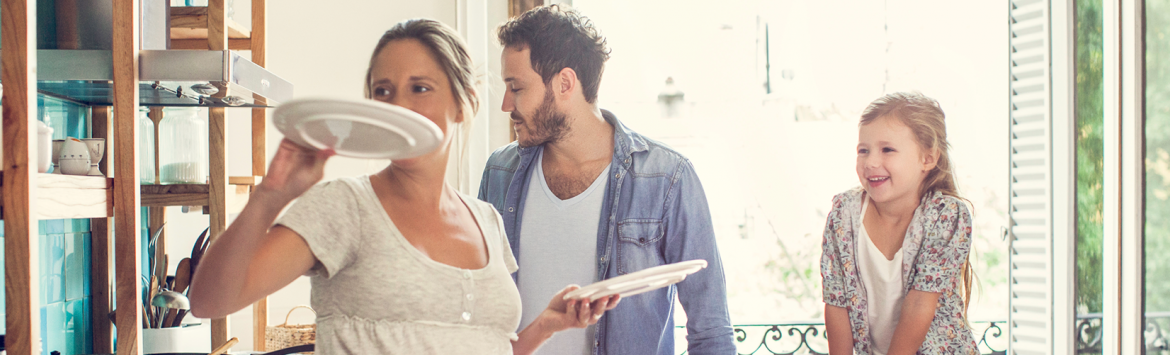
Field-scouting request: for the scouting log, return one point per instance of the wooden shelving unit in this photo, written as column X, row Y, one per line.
column 69, row 196
column 197, row 194
column 189, row 30
column 112, row 203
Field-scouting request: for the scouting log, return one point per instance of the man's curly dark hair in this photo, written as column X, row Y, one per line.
column 559, row 38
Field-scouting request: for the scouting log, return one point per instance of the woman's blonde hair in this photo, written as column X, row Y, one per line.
column 447, row 47
column 925, row 118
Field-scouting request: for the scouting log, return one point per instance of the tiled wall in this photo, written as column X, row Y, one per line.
column 64, row 254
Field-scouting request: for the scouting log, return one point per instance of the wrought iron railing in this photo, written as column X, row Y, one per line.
column 810, row 338
column 1155, row 338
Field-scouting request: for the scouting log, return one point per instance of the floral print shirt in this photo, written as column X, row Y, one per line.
column 936, row 246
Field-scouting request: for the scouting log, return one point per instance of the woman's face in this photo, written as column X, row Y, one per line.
column 890, row 163
column 405, row 73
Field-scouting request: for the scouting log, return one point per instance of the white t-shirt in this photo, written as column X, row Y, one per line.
column 883, row 288
column 558, row 247
column 375, row 293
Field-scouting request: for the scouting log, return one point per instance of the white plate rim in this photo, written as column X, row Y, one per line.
column 595, row 289
column 421, row 128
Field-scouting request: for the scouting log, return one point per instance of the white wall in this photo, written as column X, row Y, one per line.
column 323, row 49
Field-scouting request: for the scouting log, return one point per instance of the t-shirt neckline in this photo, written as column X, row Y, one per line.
column 405, row 244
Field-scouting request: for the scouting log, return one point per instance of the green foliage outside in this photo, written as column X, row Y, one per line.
column 1090, row 145
column 1157, row 131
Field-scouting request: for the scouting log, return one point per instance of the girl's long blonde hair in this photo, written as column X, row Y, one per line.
column 925, row 118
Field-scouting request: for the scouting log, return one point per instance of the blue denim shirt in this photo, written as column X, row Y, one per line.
column 654, row 213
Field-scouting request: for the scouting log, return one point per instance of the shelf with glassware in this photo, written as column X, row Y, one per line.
column 174, row 170
column 116, row 219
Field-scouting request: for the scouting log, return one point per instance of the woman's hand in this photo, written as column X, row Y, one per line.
column 562, row 314
column 294, row 169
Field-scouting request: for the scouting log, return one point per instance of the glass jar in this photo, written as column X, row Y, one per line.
column 182, row 146
column 145, row 147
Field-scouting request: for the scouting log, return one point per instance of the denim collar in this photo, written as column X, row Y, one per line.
column 625, row 141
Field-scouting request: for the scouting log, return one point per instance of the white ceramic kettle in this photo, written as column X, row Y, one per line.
column 74, row 157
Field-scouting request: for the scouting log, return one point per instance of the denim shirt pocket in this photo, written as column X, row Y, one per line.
column 639, row 242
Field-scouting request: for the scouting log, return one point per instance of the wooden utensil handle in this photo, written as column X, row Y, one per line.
column 224, row 348
column 169, row 321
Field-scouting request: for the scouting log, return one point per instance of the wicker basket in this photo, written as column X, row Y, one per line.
column 285, row 335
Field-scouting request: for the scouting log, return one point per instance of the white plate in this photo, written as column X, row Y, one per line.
column 357, row 128
column 640, row 281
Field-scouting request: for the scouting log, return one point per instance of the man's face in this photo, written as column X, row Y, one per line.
column 535, row 115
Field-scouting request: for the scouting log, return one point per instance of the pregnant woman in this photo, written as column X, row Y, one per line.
column 400, row 262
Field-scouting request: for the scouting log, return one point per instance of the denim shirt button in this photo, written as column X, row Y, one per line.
column 510, row 209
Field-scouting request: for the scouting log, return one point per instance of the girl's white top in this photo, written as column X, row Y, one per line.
column 883, row 288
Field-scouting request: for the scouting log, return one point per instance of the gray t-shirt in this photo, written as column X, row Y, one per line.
column 559, row 243
column 375, row 293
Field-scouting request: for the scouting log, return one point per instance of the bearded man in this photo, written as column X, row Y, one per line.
column 584, row 198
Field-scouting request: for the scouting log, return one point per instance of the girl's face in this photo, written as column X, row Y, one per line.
column 405, row 73
column 890, row 163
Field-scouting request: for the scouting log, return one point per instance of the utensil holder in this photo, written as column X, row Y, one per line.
column 190, row 338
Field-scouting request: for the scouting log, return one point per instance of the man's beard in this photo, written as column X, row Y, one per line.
column 547, row 125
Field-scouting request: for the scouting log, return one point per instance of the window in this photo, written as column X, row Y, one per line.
column 764, row 97
column 1089, row 116
column 1157, row 178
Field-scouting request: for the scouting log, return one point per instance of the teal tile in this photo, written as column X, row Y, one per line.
column 77, row 320
column 55, row 328
column 77, row 266
column 53, row 261
column 77, row 225
column 44, row 328
column 52, row 226
column 43, row 269
column 2, row 294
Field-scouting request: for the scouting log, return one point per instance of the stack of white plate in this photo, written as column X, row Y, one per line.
column 638, row 282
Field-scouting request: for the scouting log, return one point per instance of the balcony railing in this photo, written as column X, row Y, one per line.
column 810, row 338
column 1089, row 333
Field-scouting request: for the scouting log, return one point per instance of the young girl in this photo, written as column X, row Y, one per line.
column 894, row 268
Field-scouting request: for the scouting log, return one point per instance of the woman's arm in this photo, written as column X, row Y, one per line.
column 840, row 332
column 917, row 313
column 248, row 261
column 560, row 315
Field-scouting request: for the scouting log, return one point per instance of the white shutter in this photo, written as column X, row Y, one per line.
column 1040, row 172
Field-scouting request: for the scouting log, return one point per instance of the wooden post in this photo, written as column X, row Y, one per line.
column 101, row 231
column 128, row 247
column 259, row 154
column 21, row 286
column 217, row 133
column 515, row 8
